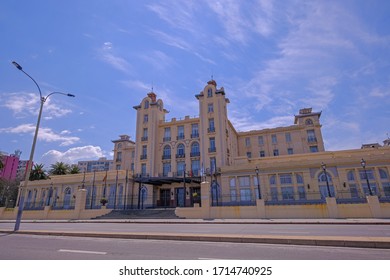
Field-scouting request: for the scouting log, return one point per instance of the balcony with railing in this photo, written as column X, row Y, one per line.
column 144, row 157
column 195, row 154
column 144, row 138
column 211, row 129
column 312, row 139
column 181, row 155
column 166, row 156
column 195, row 135
column 180, row 137
column 166, row 139
column 212, row 150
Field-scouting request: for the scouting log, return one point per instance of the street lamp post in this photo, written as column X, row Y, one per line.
column 258, row 182
column 323, row 165
column 29, row 163
column 363, row 163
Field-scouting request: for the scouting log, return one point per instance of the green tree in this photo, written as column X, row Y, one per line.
column 1, row 163
column 38, row 173
column 59, row 168
column 74, row 169
column 8, row 192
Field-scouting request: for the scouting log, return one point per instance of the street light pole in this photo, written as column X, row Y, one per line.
column 363, row 163
column 258, row 182
column 29, row 163
column 323, row 165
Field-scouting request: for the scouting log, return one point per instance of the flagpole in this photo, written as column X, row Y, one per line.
column 93, row 187
column 116, row 188
column 126, row 186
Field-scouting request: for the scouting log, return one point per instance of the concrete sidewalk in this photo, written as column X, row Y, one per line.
column 219, row 221
column 337, row 241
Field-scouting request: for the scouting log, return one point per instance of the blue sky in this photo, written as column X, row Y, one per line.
column 272, row 58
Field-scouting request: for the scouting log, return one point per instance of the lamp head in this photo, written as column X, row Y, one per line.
column 71, row 95
column 323, row 165
column 257, row 170
column 363, row 162
column 17, row 65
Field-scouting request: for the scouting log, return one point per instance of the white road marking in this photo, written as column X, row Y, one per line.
column 82, row 252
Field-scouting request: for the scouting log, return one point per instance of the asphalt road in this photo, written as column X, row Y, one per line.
column 372, row 230
column 31, row 247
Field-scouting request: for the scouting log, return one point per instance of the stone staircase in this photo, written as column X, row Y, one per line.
column 156, row 213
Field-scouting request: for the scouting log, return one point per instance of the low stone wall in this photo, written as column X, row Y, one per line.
column 329, row 209
column 79, row 212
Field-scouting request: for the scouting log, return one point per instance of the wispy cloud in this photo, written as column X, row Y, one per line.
column 107, row 54
column 27, row 104
column 45, row 134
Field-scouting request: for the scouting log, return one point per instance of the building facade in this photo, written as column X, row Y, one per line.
column 102, row 164
column 197, row 162
column 10, row 166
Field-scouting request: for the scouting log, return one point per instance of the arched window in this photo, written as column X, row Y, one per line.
column 180, row 150
column 383, row 174
column 324, row 184
column 146, row 104
column 309, row 122
column 167, row 152
column 195, row 149
column 322, row 177
column 209, row 92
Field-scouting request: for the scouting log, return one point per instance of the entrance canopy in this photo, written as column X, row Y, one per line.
column 159, row 181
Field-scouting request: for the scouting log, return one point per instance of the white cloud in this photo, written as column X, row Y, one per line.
column 73, row 155
column 44, row 134
column 26, row 104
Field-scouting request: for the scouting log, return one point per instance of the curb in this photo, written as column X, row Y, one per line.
column 334, row 241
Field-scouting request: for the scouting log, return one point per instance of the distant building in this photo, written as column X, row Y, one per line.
column 10, row 166
column 102, row 164
column 124, row 153
column 22, row 168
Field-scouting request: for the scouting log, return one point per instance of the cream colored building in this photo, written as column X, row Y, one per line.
column 208, row 169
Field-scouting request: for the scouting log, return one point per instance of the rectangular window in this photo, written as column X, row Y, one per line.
column 195, row 168
column 167, row 134
column 245, row 194
column 260, row 140
column 311, row 136
column 213, row 165
column 274, row 139
column 194, row 130
column 180, row 132
column 285, row 179
column 370, row 174
column 233, row 195
column 211, row 125
column 287, row 193
column 247, row 142
column 313, row 149
column 212, row 145
column 145, row 134
column 143, row 169
column 210, row 108
column 180, row 168
column 166, row 168
column 262, row 153
column 144, row 152
column 290, row 151
column 274, row 194
column 249, row 154
column 288, row 137
column 353, row 190
column 276, row 152
column 244, row 181
column 301, row 192
column 146, row 118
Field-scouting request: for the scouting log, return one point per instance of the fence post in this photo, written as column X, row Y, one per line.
column 205, row 199
column 260, row 205
column 81, row 199
column 375, row 208
column 331, row 205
